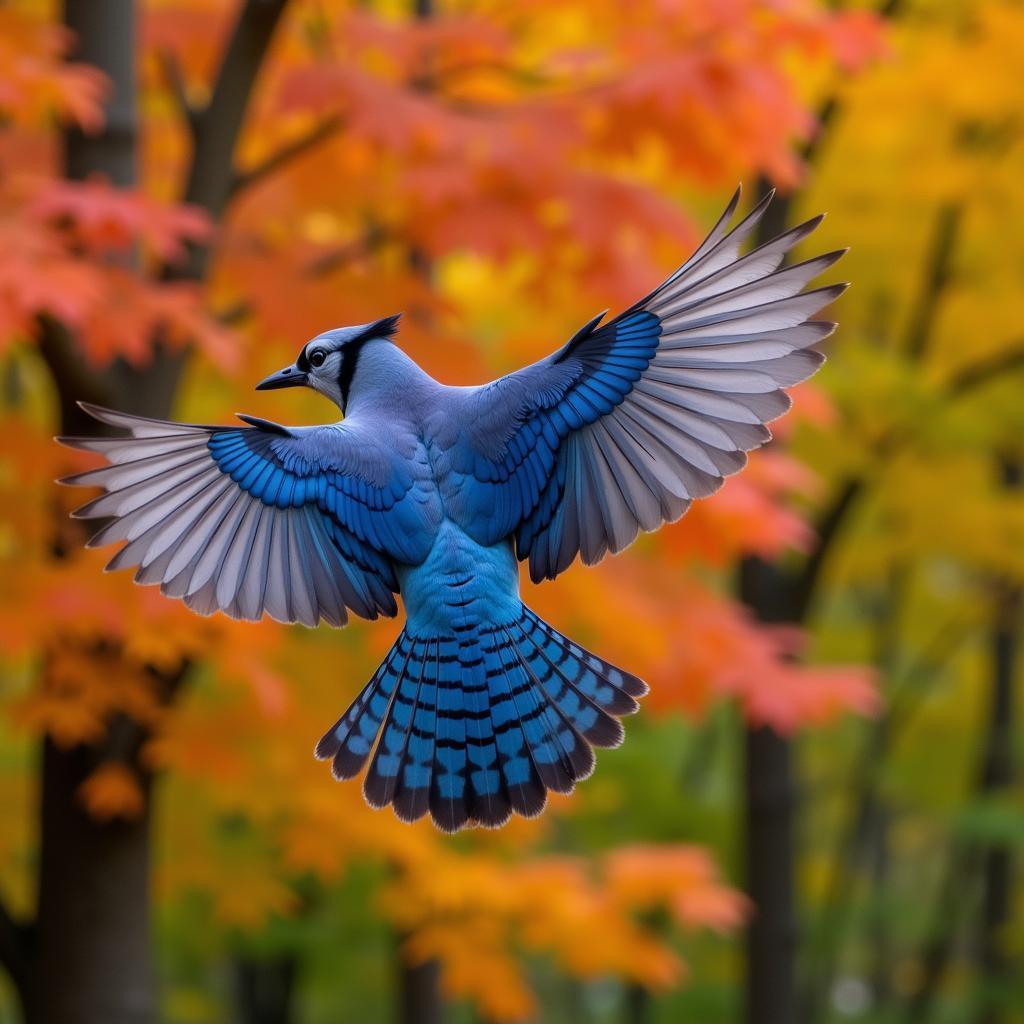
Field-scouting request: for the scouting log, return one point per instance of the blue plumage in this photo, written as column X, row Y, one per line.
column 435, row 493
column 479, row 724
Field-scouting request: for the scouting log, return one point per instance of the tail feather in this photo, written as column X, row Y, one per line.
column 548, row 747
column 598, row 727
column 478, row 725
column 523, row 782
column 609, row 687
column 449, row 803
column 383, row 776
column 487, row 796
column 412, row 791
column 560, row 753
column 350, row 741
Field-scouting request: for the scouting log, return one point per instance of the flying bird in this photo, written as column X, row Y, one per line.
column 435, row 493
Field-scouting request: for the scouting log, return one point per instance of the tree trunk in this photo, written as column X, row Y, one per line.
column 106, row 38
column 93, row 945
column 265, row 989
column 771, row 936
column 419, row 994
column 996, row 777
column 777, row 595
column 636, row 1005
column 770, row 809
column 92, row 961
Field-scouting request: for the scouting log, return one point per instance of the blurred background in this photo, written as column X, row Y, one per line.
column 816, row 817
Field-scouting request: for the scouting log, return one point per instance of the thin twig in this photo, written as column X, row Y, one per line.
column 334, row 259
column 243, row 179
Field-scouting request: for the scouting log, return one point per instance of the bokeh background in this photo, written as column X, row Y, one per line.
column 816, row 817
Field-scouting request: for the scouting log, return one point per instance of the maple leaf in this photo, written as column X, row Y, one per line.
column 36, row 83
column 683, row 878
column 112, row 791
column 101, row 219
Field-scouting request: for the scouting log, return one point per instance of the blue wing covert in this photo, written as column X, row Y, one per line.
column 624, row 426
column 248, row 520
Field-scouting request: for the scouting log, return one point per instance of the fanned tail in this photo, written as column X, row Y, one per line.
column 476, row 725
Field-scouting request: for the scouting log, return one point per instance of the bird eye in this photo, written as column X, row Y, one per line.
column 317, row 358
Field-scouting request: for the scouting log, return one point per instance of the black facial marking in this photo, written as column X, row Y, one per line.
column 384, row 328
column 349, row 358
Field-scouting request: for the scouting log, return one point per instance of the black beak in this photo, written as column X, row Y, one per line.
column 289, row 377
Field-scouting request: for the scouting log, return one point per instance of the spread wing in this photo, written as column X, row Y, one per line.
column 627, row 423
column 247, row 520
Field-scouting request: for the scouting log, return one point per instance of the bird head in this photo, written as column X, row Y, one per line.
column 327, row 363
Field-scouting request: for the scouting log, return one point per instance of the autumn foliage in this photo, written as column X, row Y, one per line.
column 500, row 172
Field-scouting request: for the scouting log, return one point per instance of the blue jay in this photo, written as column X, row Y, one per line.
column 433, row 492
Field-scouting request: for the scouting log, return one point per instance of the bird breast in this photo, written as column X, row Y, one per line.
column 460, row 585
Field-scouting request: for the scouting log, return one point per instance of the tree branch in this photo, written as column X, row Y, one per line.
column 895, row 718
column 936, row 278
column 985, row 371
column 219, row 124
column 829, row 525
column 997, row 775
column 830, row 109
column 773, row 223
column 922, row 323
column 334, row 259
column 289, row 151
column 170, row 70
column 971, row 858
column 319, row 266
column 969, row 380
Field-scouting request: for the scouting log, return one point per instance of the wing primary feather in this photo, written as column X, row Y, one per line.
column 155, row 541
column 122, row 501
column 115, row 477
column 749, row 294
column 235, row 558
column 304, row 603
column 254, row 581
column 140, row 426
column 209, row 558
column 756, row 264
